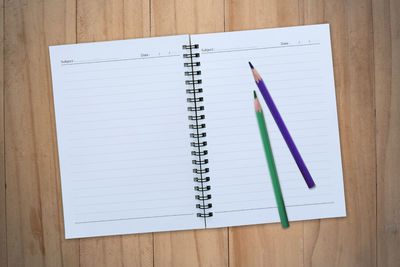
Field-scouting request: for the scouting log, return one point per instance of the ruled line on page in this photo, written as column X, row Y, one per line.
column 250, row 84
column 120, row 169
column 126, row 135
column 303, row 94
column 79, row 188
column 252, row 124
column 224, row 137
column 165, row 149
column 125, row 143
column 110, row 211
column 274, row 207
column 299, row 104
column 144, row 176
column 269, row 81
column 127, row 67
column 132, row 201
column 135, row 218
column 257, row 48
column 163, row 82
column 103, row 78
column 287, row 70
column 111, row 111
column 127, row 93
column 136, row 160
column 143, row 98
column 111, row 103
column 75, row 90
column 114, row 60
column 287, row 197
column 126, row 102
column 122, row 118
column 279, row 160
column 228, row 61
column 260, row 57
column 165, row 164
column 146, row 192
column 251, row 142
column 169, row 122
column 248, row 117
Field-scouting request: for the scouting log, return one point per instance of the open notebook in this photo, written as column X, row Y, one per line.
column 160, row 134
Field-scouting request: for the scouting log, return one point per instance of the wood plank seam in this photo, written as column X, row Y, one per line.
column 3, row 173
column 376, row 139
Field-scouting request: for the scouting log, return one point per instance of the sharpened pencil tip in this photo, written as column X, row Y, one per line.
column 255, row 95
column 251, row 65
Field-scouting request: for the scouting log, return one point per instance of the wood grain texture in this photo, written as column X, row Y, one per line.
column 350, row 241
column 266, row 245
column 203, row 247
column 34, row 229
column 386, row 25
column 3, row 215
column 191, row 248
column 169, row 17
column 101, row 21
column 366, row 52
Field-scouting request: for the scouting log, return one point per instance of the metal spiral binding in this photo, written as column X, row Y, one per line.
column 198, row 126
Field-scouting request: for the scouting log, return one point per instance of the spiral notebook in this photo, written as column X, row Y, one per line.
column 159, row 134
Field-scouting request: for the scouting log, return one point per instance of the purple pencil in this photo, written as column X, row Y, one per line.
column 282, row 127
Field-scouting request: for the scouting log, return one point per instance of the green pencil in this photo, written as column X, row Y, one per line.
column 271, row 162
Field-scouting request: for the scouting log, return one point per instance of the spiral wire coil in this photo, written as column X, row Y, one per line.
column 198, row 126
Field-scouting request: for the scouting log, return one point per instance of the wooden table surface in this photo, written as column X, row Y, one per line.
column 366, row 54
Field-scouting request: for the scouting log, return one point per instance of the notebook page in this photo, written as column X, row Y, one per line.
column 123, row 137
column 296, row 65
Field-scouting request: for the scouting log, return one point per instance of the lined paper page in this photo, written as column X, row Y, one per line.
column 123, row 137
column 296, row 65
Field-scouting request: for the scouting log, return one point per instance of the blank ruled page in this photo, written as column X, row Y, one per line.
column 296, row 65
column 123, row 137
